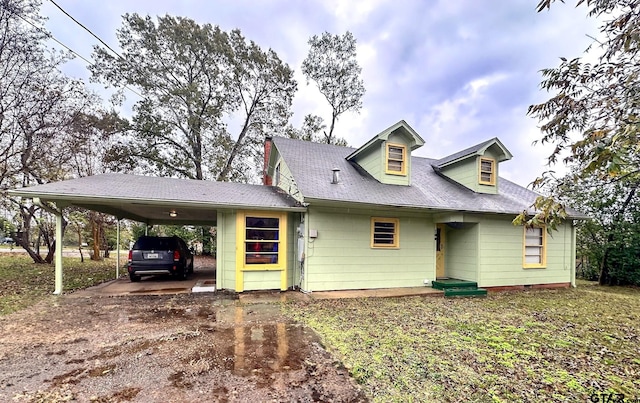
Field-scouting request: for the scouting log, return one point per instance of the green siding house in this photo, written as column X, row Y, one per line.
column 378, row 217
column 336, row 218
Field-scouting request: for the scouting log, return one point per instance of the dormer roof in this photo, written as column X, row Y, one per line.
column 477, row 150
column 402, row 127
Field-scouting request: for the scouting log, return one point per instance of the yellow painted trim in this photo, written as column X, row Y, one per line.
column 241, row 266
column 442, row 252
column 396, row 233
column 404, row 159
column 492, row 182
column 239, row 251
column 544, row 249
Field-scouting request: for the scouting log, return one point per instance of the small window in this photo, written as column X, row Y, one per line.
column 276, row 179
column 487, row 171
column 396, row 159
column 535, row 247
column 385, row 232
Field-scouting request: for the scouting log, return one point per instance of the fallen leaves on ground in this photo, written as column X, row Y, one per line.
column 552, row 345
column 23, row 283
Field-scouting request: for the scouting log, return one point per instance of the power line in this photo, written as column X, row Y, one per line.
column 50, row 36
column 86, row 29
column 97, row 37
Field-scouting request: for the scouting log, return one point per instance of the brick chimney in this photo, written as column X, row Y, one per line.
column 266, row 179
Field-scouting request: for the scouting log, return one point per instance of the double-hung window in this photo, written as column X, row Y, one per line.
column 396, row 159
column 535, row 247
column 487, row 174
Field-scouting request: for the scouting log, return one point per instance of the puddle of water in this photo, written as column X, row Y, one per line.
column 260, row 348
column 250, row 341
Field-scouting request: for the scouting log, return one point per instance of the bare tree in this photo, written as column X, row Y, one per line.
column 38, row 105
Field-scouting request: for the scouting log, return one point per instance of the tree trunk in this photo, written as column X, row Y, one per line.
column 38, row 243
column 22, row 240
column 105, row 243
column 329, row 137
column 22, row 237
column 95, row 230
column 80, row 243
column 199, row 174
column 235, row 150
column 605, row 274
column 52, row 252
column 36, row 258
column 604, row 266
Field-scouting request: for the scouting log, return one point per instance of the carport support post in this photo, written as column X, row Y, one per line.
column 58, row 256
column 118, row 248
column 57, row 212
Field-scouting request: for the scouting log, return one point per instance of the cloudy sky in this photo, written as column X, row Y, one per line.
column 458, row 71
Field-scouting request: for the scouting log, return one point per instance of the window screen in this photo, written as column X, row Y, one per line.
column 384, row 232
column 262, row 238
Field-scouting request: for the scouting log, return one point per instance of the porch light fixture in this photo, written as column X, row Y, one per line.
column 173, row 213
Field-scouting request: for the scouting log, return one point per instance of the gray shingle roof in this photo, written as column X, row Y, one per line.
column 469, row 151
column 402, row 126
column 311, row 165
column 134, row 187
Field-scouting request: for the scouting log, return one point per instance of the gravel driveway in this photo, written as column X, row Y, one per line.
column 169, row 348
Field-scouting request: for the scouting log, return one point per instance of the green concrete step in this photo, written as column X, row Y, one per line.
column 453, row 283
column 465, row 292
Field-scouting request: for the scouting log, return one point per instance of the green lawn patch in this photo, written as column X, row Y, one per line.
column 552, row 345
column 23, row 283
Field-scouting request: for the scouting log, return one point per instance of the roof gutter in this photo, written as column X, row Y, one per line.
column 155, row 202
column 310, row 201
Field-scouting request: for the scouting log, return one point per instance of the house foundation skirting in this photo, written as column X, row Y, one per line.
column 528, row 287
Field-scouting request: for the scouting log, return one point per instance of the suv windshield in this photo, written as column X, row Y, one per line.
column 149, row 243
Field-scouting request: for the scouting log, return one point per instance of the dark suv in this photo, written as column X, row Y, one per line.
column 160, row 255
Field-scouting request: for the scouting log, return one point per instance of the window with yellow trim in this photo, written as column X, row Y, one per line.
column 396, row 159
column 262, row 240
column 487, row 171
column 535, row 247
column 385, row 232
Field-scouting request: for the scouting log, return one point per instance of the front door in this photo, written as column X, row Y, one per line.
column 440, row 250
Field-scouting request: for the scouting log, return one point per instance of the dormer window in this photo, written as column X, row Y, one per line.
column 487, row 171
column 396, row 159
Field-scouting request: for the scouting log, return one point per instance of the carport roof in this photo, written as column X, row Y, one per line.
column 151, row 199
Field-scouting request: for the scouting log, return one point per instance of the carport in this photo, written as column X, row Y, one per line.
column 151, row 200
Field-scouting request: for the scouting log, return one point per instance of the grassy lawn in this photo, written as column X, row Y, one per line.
column 561, row 345
column 23, row 283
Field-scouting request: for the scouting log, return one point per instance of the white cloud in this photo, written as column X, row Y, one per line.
column 352, row 12
column 458, row 71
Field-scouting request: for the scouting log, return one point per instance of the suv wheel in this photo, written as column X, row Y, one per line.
column 134, row 278
column 182, row 274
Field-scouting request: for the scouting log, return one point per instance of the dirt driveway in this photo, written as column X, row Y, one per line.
column 167, row 348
